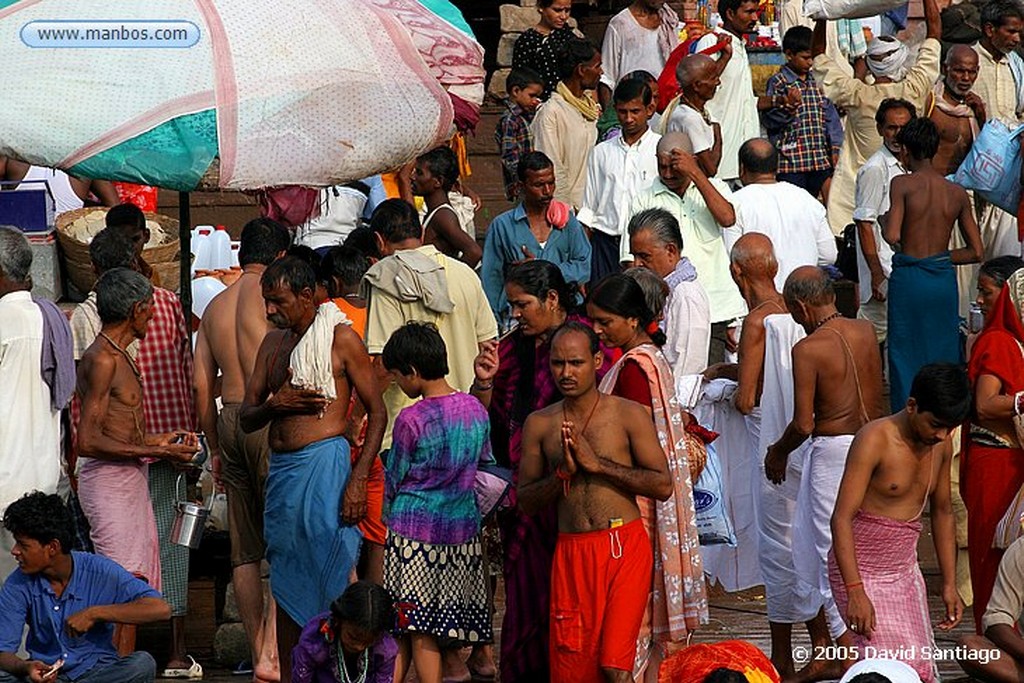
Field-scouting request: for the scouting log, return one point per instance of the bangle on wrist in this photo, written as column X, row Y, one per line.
column 1018, row 403
column 482, row 387
column 855, row 584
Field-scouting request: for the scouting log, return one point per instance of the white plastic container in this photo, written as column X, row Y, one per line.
column 235, row 246
column 220, row 249
column 201, row 244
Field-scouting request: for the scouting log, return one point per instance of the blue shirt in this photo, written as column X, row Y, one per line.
column 29, row 599
column 568, row 248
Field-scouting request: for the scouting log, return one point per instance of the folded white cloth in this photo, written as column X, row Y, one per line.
column 312, row 358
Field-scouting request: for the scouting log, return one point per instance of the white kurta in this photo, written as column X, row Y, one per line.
column 734, row 106
column 861, row 100
column 687, row 325
column 627, row 47
column 792, row 219
column 616, row 174
column 776, row 505
column 871, row 200
column 30, row 428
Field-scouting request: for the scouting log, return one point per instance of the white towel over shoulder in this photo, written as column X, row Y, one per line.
column 311, row 358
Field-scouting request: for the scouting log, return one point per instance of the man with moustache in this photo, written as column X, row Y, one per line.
column 701, row 205
column 565, row 127
column 593, row 454
column 312, row 538
column 955, row 109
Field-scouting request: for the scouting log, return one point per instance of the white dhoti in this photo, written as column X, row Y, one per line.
column 812, row 524
column 776, row 505
column 735, row 568
column 998, row 231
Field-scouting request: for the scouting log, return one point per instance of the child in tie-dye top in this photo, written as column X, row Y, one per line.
column 433, row 560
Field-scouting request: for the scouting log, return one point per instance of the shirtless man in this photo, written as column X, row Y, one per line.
column 113, row 445
column 69, row 192
column 924, row 319
column 895, row 465
column 956, row 111
column 433, row 177
column 837, row 388
column 229, row 337
column 312, row 540
column 753, row 268
column 593, row 454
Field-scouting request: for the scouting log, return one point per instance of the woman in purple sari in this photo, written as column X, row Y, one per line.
column 513, row 382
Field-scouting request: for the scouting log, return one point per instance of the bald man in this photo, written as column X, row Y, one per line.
column 837, row 385
column 793, row 219
column 702, row 207
column 698, row 81
column 765, row 397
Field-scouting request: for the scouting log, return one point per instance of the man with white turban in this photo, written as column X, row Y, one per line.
column 894, row 78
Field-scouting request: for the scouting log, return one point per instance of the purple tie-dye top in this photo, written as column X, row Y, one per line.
column 431, row 469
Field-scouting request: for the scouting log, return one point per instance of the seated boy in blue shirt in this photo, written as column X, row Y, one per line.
column 69, row 601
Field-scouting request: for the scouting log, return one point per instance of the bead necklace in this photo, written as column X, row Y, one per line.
column 364, row 665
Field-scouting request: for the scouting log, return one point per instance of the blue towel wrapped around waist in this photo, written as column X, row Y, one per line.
column 924, row 320
column 310, row 550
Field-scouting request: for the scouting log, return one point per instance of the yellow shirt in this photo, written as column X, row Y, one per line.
column 861, row 100
column 566, row 137
column 471, row 323
column 996, row 87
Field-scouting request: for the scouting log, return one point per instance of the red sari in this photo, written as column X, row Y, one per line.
column 990, row 475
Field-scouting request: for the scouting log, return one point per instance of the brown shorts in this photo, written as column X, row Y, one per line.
column 244, row 462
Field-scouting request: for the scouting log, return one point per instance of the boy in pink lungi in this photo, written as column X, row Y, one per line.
column 895, row 466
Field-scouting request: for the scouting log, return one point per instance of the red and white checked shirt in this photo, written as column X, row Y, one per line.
column 165, row 359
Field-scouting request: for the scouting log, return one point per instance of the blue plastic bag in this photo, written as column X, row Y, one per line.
column 992, row 167
column 713, row 524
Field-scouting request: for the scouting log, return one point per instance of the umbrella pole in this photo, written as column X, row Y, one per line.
column 185, row 241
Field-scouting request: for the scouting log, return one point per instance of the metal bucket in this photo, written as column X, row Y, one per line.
column 189, row 522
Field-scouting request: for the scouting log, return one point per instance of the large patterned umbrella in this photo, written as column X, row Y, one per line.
column 289, row 92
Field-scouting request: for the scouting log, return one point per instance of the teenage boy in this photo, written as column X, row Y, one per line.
column 619, row 170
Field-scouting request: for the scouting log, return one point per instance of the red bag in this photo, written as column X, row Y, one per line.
column 290, row 205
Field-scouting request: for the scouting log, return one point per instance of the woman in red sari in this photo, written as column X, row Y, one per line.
column 513, row 383
column 993, row 462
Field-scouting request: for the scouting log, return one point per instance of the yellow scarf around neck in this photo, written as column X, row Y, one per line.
column 584, row 105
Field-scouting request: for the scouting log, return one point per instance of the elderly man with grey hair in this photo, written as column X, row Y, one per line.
column 657, row 244
column 113, row 445
column 701, row 207
column 30, row 431
column 698, row 81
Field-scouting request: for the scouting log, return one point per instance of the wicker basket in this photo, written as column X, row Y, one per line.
column 76, row 253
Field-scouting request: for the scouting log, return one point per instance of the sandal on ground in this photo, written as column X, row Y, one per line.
column 243, row 669
column 192, row 673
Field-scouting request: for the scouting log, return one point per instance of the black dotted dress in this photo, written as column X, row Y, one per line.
column 536, row 51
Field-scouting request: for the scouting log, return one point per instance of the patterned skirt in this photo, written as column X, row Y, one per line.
column 439, row 589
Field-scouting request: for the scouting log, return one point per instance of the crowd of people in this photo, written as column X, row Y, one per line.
column 401, row 417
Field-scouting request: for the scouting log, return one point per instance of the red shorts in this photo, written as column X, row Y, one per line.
column 600, row 585
column 372, row 524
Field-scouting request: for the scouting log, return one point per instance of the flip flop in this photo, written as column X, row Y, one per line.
column 192, row 673
column 243, row 669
